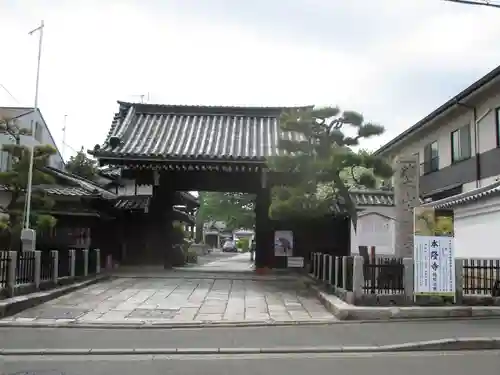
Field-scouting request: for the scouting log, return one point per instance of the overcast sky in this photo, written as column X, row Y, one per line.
column 393, row 60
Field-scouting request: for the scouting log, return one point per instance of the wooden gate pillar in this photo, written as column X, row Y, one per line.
column 264, row 256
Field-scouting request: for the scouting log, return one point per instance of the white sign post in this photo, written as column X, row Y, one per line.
column 433, row 255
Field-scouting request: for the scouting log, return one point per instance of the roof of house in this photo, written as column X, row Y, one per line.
column 489, row 191
column 82, row 183
column 480, row 83
column 65, row 191
column 372, row 197
column 154, row 132
column 133, row 202
column 142, row 202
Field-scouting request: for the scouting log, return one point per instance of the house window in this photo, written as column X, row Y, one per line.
column 5, row 161
column 460, row 144
column 38, row 131
column 431, row 157
column 497, row 122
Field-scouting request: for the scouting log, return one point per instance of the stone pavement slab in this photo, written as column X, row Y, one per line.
column 181, row 300
column 235, row 263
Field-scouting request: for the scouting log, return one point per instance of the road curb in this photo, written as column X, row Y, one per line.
column 467, row 343
column 238, row 324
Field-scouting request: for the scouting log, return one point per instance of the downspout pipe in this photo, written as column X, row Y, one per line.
column 476, row 141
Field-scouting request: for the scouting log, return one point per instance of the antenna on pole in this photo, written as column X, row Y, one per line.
column 64, row 137
column 142, row 96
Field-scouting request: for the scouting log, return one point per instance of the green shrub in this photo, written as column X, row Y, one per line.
column 243, row 244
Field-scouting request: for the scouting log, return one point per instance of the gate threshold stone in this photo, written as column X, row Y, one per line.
column 345, row 311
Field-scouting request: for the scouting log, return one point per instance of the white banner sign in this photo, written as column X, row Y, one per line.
column 283, row 243
column 295, row 262
column 434, row 270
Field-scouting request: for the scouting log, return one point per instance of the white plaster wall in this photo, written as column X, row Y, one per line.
column 129, row 189
column 384, row 241
column 484, row 182
column 476, row 229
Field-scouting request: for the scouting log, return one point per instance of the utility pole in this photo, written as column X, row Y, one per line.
column 486, row 3
column 28, row 236
column 64, row 137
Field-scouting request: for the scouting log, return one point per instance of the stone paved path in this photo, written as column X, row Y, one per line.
column 172, row 300
column 236, row 263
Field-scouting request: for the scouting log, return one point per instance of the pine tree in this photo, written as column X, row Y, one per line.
column 322, row 158
column 81, row 165
column 15, row 181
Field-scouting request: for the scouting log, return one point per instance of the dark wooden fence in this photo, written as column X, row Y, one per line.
column 46, row 265
column 480, row 275
column 384, row 276
column 25, row 267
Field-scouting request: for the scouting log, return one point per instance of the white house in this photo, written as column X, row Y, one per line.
column 477, row 221
column 458, row 144
column 25, row 118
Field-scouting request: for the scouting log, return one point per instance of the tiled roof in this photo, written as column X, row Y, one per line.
column 77, row 181
column 133, row 202
column 372, row 197
column 169, row 132
column 110, row 172
column 475, row 195
column 69, row 191
column 183, row 216
column 188, row 199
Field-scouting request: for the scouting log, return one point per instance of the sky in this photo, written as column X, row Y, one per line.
column 392, row 60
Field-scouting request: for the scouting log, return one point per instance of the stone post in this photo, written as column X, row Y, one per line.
column 337, row 266
column 313, row 264
column 406, row 198
column 459, row 274
column 85, row 262
column 357, row 278
column 318, row 264
column 55, row 266
column 11, row 273
column 325, row 259
column 408, row 278
column 38, row 268
column 72, row 262
column 331, row 263
column 344, row 272
column 97, row 261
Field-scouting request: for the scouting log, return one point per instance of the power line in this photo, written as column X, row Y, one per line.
column 486, row 3
column 8, row 92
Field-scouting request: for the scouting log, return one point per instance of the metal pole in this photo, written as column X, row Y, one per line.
column 64, row 138
column 486, row 3
column 35, row 109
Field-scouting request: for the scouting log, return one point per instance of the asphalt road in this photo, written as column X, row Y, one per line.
column 337, row 334
column 454, row 363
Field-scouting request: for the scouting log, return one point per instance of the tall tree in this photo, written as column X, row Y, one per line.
column 81, row 165
column 15, row 180
column 324, row 162
column 235, row 209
